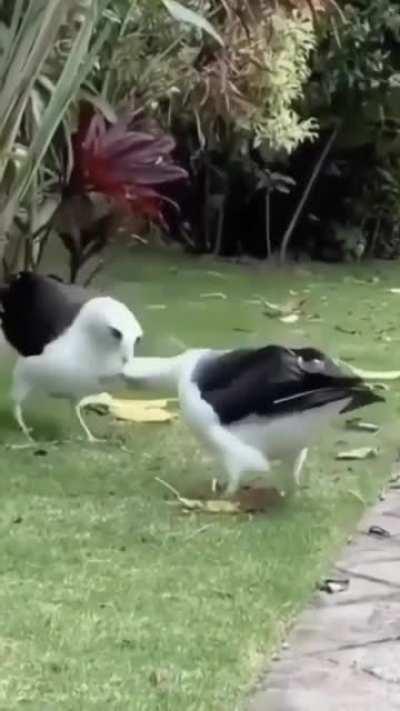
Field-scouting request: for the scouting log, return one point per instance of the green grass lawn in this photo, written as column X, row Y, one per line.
column 110, row 597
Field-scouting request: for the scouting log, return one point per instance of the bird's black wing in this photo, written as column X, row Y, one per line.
column 274, row 381
column 36, row 309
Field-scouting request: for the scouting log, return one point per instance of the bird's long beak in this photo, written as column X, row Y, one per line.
column 128, row 353
column 129, row 349
column 157, row 373
column 136, row 369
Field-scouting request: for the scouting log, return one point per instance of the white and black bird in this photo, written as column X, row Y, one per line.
column 253, row 407
column 67, row 340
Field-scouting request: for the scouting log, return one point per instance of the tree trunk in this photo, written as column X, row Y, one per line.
column 316, row 170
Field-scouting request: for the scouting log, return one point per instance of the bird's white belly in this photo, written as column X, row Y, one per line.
column 287, row 435
column 67, row 381
column 69, row 373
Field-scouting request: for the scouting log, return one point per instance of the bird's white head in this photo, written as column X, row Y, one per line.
column 112, row 328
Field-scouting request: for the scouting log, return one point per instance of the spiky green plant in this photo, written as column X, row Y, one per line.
column 29, row 36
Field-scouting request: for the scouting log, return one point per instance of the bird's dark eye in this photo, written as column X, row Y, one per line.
column 117, row 334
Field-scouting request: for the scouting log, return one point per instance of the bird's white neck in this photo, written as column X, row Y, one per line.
column 160, row 373
column 75, row 346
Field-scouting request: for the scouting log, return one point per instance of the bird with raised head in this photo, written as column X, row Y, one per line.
column 69, row 341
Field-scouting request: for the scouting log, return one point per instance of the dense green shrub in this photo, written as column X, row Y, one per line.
column 356, row 80
column 274, row 107
column 251, row 108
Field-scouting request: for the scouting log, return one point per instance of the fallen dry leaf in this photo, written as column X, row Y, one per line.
column 293, row 307
column 214, row 506
column 142, row 411
column 357, row 495
column 353, row 280
column 315, row 318
column 290, row 318
column 218, row 275
column 355, row 423
column 361, row 453
column 214, row 295
column 271, row 312
column 206, row 505
column 134, row 410
column 246, row 501
column 348, row 331
column 372, row 374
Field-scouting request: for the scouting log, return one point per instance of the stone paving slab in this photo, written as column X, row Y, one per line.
column 344, row 652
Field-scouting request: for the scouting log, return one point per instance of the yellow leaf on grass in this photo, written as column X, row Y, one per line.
column 355, row 423
column 211, row 506
column 251, row 501
column 290, row 318
column 289, row 311
column 133, row 410
column 246, row 502
column 361, row 453
column 142, row 410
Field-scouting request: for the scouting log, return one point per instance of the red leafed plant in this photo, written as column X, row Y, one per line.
column 122, row 163
column 118, row 172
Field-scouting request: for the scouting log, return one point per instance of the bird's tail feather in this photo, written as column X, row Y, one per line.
column 355, row 396
column 362, row 396
column 4, row 287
